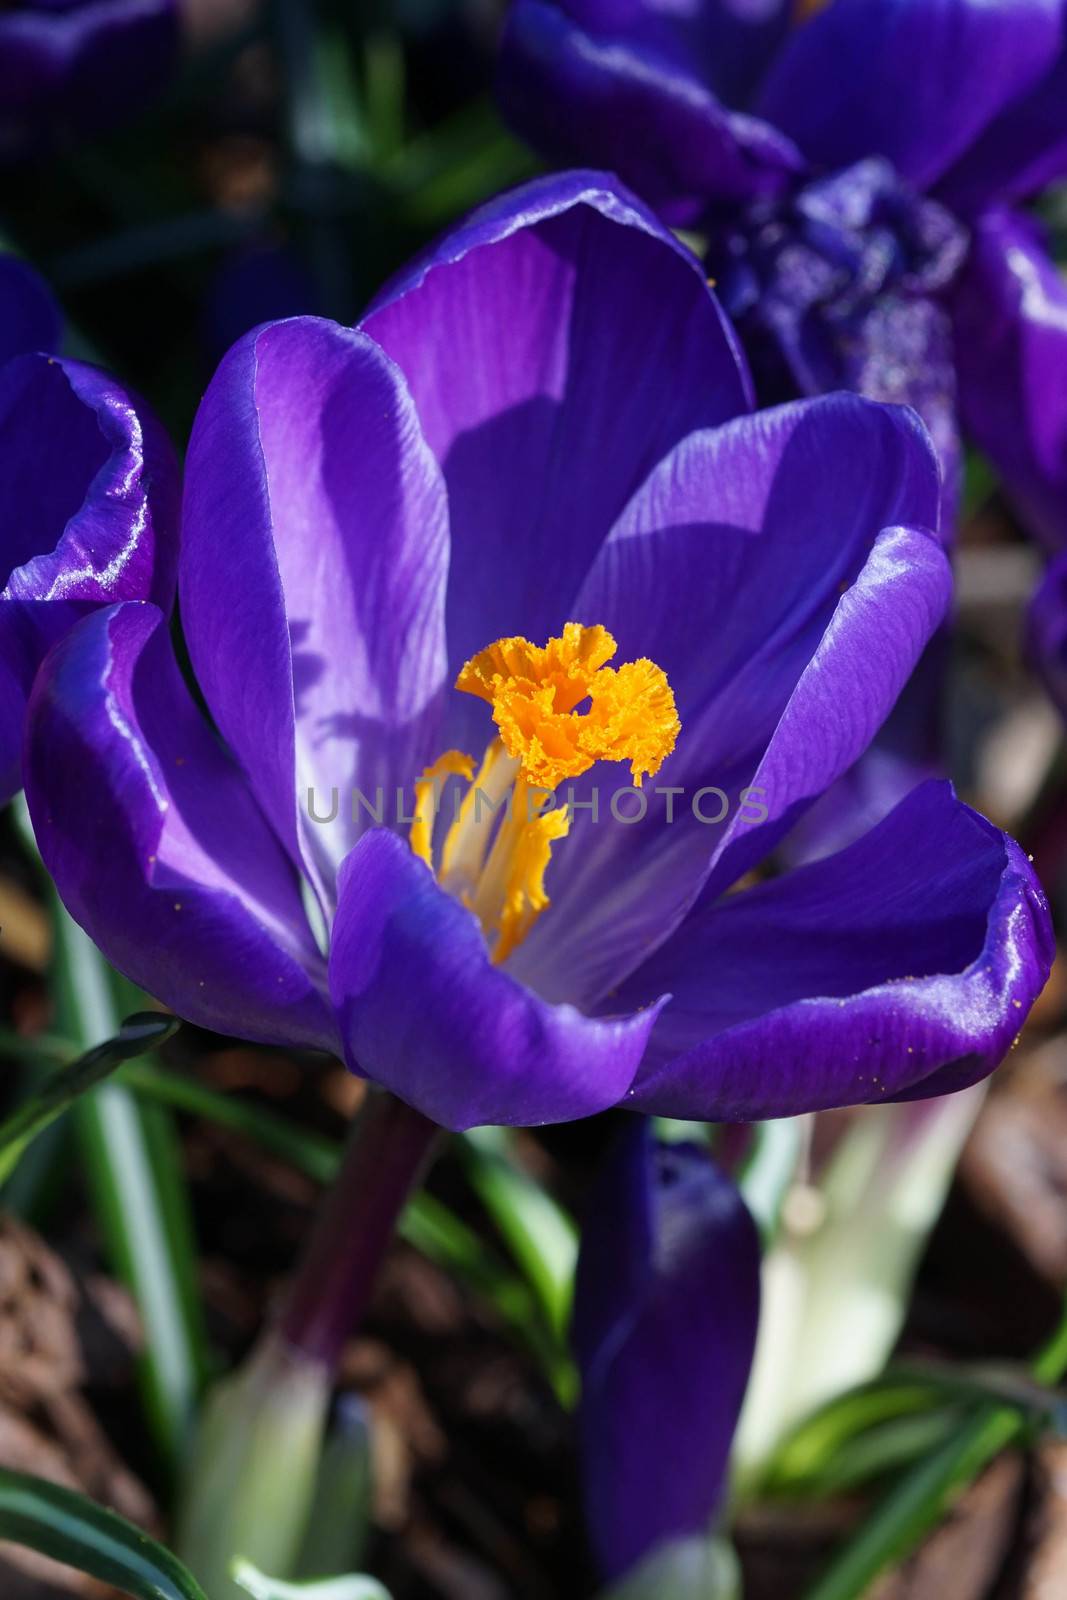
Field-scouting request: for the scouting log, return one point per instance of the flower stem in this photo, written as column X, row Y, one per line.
column 387, row 1153
column 250, row 1482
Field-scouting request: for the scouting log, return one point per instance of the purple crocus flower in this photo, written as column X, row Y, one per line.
column 843, row 159
column 89, row 491
column 29, row 317
column 1012, row 321
column 79, row 65
column 665, row 1316
column 520, row 526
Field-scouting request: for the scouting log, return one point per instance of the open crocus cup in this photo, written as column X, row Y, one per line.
column 527, row 642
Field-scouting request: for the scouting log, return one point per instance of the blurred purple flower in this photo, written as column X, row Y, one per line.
column 260, row 282
column 841, row 157
column 540, row 432
column 665, row 1317
column 79, row 66
column 89, row 491
column 1011, row 320
column 29, row 316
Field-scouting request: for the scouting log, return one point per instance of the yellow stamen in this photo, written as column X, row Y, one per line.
column 564, row 665
column 467, row 840
column 535, row 692
column 529, row 851
column 427, row 795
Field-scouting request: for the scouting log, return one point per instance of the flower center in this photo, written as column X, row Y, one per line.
column 495, row 853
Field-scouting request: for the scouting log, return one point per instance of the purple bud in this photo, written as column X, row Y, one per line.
column 666, row 1310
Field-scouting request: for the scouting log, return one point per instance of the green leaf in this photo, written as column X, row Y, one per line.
column 1001, row 1382
column 76, row 1531
column 813, row 1448
column 540, row 1235
column 915, row 1504
column 339, row 1522
column 139, row 1033
column 458, row 162
column 882, row 1450
column 132, row 1162
column 137, row 1185
column 136, row 1182
column 353, row 1587
column 249, row 1477
column 312, row 1153
column 384, row 77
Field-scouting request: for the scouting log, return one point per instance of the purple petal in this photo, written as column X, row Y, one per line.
column 753, row 567
column 29, row 317
column 89, row 486
column 155, row 843
column 82, row 66
column 1021, row 151
column 665, row 1316
column 1010, row 312
column 557, row 345
column 423, row 1012
column 726, row 44
column 914, row 82
column 843, row 697
column 314, row 554
column 908, row 750
column 89, row 481
column 905, row 965
column 630, row 100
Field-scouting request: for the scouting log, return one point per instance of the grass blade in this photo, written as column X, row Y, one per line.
column 917, row 1502
column 133, row 1169
column 144, row 1031
column 75, row 1530
column 540, row 1235
column 317, row 1156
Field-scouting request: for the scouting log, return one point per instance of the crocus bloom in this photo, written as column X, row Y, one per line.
column 79, row 65
column 665, row 1314
column 29, row 317
column 1012, row 315
column 89, row 490
column 521, row 526
column 843, row 158
column 259, row 282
